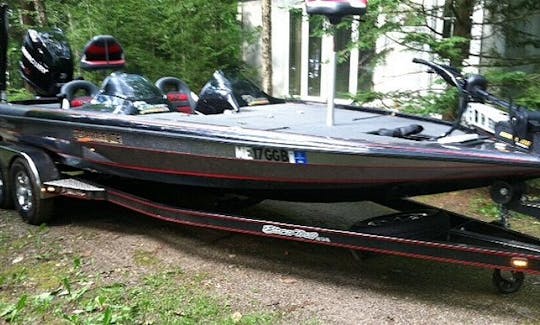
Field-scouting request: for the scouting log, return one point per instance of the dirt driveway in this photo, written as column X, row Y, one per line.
column 307, row 284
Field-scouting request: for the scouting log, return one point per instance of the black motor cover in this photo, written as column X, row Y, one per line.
column 46, row 62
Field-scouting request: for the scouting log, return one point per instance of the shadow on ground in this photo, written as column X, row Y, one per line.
column 400, row 278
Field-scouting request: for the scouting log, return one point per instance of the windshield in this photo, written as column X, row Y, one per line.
column 130, row 86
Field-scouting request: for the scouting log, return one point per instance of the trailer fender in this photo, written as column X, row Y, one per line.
column 39, row 162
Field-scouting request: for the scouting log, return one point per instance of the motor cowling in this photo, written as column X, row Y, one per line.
column 47, row 61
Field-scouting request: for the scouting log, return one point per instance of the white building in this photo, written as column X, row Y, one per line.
column 300, row 66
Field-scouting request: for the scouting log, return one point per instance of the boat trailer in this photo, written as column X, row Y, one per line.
column 30, row 181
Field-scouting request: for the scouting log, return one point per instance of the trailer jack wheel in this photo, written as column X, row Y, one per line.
column 27, row 195
column 509, row 283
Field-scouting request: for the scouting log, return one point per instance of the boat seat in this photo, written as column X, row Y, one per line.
column 178, row 93
column 103, row 52
column 70, row 93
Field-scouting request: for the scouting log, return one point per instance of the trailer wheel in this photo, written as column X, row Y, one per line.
column 5, row 191
column 26, row 195
column 509, row 283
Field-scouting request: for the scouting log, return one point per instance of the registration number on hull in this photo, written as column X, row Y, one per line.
column 271, row 154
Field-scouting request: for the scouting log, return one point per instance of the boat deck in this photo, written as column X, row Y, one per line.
column 306, row 120
column 288, row 118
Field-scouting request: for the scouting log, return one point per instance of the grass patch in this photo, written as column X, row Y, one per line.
column 489, row 211
column 161, row 298
column 42, row 284
column 145, row 258
column 484, row 208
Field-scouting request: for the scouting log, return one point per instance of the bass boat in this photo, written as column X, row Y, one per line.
column 236, row 138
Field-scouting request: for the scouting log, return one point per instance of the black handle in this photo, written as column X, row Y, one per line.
column 449, row 74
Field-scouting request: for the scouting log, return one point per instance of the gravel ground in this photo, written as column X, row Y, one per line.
column 308, row 284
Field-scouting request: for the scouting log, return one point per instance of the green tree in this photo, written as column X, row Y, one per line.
column 510, row 54
column 188, row 39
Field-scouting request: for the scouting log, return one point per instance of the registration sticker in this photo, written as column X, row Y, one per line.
column 271, row 154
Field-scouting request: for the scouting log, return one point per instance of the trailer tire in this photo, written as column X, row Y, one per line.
column 428, row 224
column 26, row 195
column 6, row 201
column 508, row 284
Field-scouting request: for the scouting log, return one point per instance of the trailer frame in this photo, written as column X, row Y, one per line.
column 31, row 178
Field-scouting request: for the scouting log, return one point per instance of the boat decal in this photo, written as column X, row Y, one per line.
column 97, row 136
column 271, row 154
column 298, row 233
column 524, row 143
column 41, row 68
column 145, row 108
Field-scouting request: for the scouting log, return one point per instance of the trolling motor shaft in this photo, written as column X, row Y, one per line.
column 334, row 10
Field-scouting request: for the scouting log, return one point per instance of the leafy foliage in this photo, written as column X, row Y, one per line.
column 188, row 39
column 420, row 103
column 519, row 86
column 510, row 55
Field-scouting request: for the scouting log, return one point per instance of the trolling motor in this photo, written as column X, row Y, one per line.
column 522, row 129
column 3, row 51
column 334, row 10
column 523, row 126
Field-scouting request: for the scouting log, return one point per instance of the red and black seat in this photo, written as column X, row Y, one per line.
column 76, row 93
column 103, row 52
column 178, row 93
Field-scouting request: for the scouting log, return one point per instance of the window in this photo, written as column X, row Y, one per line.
column 448, row 23
column 309, row 52
column 314, row 58
column 295, row 51
column 343, row 66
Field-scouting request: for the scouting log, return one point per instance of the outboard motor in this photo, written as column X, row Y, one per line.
column 47, row 61
column 522, row 129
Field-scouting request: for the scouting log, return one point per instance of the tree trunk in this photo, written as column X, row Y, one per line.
column 27, row 13
column 33, row 13
column 39, row 6
column 463, row 11
column 267, row 46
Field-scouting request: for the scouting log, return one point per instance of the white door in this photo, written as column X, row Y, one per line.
column 308, row 59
